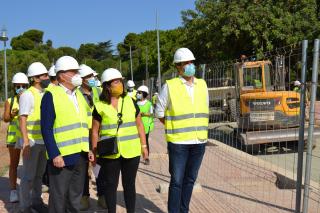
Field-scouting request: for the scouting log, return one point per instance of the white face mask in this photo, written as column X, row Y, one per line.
column 76, row 80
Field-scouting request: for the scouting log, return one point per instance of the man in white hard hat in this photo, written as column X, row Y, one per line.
column 33, row 149
column 183, row 107
column 131, row 91
column 64, row 125
column 154, row 99
column 52, row 76
column 91, row 95
column 297, row 86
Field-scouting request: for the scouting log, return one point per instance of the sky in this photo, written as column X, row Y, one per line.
column 74, row 22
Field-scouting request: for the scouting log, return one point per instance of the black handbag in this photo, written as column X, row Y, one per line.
column 109, row 146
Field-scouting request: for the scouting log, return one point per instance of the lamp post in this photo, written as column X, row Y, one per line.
column 5, row 38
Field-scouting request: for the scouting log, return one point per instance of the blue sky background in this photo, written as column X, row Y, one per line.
column 73, row 22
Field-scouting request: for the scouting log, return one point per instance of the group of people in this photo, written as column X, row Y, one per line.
column 66, row 119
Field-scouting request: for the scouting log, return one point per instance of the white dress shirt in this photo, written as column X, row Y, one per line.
column 72, row 96
column 163, row 103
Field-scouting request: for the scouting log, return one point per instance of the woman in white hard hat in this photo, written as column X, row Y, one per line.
column 118, row 139
column 11, row 109
column 146, row 111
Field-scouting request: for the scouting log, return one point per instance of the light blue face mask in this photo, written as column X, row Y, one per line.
column 92, row 82
column 20, row 90
column 139, row 96
column 189, row 70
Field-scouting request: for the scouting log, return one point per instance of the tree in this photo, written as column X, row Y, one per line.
column 219, row 30
column 68, row 51
column 21, row 43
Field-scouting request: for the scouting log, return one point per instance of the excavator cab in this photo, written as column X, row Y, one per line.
column 265, row 113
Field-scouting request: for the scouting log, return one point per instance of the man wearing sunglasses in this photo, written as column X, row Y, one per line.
column 183, row 107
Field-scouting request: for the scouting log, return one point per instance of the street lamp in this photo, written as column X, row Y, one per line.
column 5, row 38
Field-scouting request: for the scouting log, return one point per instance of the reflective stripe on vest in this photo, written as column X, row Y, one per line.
column 128, row 139
column 13, row 128
column 187, row 120
column 70, row 126
column 33, row 120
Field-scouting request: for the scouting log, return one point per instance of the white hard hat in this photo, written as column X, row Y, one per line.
column 95, row 73
column 20, row 78
column 51, row 71
column 297, row 83
column 130, row 83
column 85, row 70
column 36, row 68
column 183, row 54
column 65, row 63
column 155, row 93
column 143, row 89
column 110, row 74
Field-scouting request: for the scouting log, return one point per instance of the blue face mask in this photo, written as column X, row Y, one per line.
column 92, row 82
column 189, row 70
column 139, row 96
column 20, row 90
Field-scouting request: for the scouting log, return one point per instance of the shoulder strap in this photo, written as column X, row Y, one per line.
column 120, row 115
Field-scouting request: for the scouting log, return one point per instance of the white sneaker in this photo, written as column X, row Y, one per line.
column 14, row 196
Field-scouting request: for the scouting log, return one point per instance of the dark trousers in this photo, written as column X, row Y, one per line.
column 147, row 140
column 110, row 169
column 99, row 182
column 184, row 164
column 66, row 187
column 45, row 177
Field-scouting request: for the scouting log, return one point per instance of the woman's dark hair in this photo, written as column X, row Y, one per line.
column 106, row 92
column 144, row 94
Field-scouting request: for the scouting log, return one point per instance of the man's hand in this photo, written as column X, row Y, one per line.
column 26, row 150
column 58, row 162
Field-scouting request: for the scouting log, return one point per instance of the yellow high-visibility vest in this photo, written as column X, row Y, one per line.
column 33, row 120
column 13, row 128
column 70, row 127
column 129, row 145
column 95, row 98
column 185, row 120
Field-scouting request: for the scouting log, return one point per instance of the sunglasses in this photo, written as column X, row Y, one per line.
column 19, row 87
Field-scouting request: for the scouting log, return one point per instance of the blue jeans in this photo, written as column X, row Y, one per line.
column 184, row 164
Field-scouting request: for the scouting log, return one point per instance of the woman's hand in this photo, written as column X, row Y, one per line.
column 92, row 158
column 144, row 151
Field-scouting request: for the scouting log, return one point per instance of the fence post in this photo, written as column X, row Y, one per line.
column 301, row 127
column 311, row 124
column 203, row 73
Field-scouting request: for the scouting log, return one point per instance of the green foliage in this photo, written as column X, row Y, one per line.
column 98, row 52
column 27, row 41
column 145, row 45
column 220, row 30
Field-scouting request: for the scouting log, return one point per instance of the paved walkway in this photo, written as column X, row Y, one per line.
column 231, row 181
